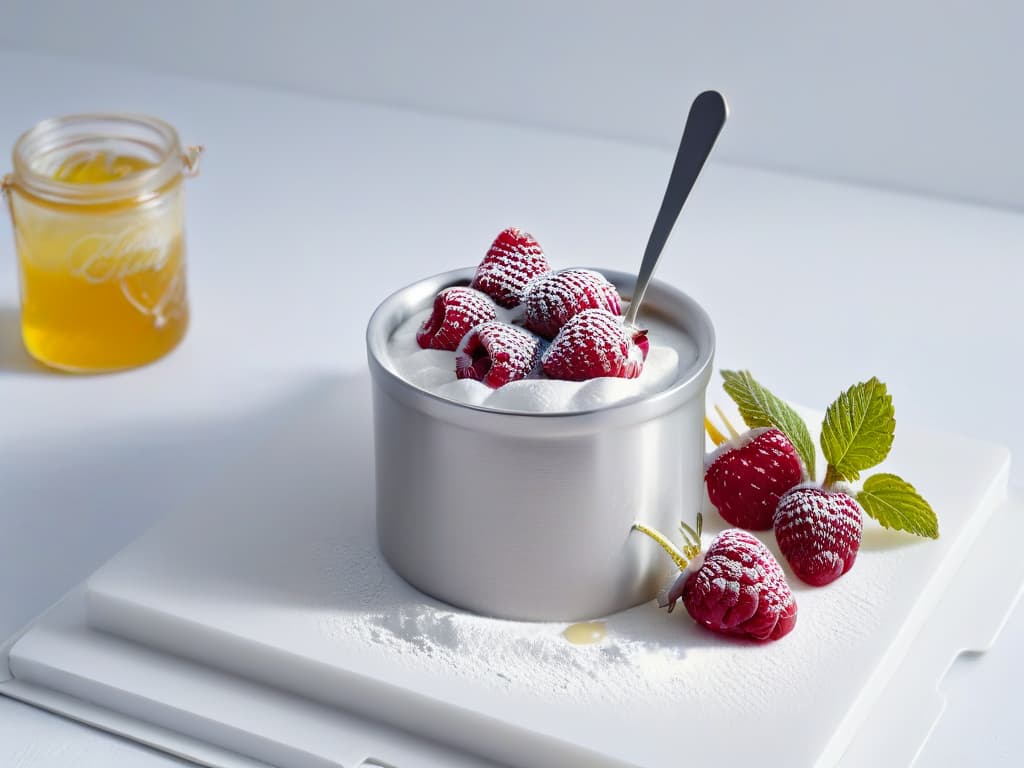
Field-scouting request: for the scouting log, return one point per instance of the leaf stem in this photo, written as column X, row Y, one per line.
column 677, row 557
column 831, row 477
column 716, row 436
column 725, row 420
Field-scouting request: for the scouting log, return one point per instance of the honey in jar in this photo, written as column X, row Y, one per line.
column 97, row 208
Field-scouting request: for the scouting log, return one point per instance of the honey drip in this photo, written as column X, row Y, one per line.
column 585, row 632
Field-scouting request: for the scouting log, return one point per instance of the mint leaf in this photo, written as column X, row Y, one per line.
column 858, row 430
column 760, row 408
column 894, row 503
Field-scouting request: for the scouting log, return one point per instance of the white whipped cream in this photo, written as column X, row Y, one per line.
column 671, row 354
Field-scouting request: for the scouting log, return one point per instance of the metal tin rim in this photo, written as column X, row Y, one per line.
column 414, row 297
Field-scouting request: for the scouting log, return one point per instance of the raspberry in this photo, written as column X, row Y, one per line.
column 746, row 477
column 739, row 588
column 512, row 261
column 819, row 532
column 456, row 312
column 593, row 344
column 497, row 353
column 553, row 299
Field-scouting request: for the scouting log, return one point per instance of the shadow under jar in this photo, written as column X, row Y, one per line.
column 527, row 515
column 98, row 213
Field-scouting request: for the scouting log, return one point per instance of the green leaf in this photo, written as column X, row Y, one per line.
column 894, row 503
column 858, row 430
column 760, row 408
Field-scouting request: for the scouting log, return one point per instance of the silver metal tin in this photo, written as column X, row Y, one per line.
column 527, row 516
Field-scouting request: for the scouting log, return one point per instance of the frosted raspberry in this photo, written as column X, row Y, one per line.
column 456, row 312
column 738, row 589
column 497, row 353
column 593, row 344
column 819, row 532
column 745, row 478
column 513, row 260
column 553, row 299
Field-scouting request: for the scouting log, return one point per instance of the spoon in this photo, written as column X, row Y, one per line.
column 703, row 124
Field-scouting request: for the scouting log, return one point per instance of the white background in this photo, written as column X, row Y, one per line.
column 916, row 94
column 811, row 284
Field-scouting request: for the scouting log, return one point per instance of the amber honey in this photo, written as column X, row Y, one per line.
column 99, row 233
column 585, row 632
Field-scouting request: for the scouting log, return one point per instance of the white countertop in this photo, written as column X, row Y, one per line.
column 309, row 211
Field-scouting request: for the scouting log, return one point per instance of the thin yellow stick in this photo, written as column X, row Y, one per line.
column 716, row 437
column 728, row 425
column 673, row 551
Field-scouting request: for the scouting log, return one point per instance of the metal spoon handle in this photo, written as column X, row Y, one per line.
column 703, row 124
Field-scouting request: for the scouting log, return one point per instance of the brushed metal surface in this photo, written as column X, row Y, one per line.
column 527, row 516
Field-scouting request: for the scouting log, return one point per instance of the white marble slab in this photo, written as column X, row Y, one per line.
column 272, row 575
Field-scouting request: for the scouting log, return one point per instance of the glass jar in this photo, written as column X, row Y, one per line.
column 97, row 208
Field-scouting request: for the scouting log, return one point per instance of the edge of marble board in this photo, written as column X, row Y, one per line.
column 928, row 668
